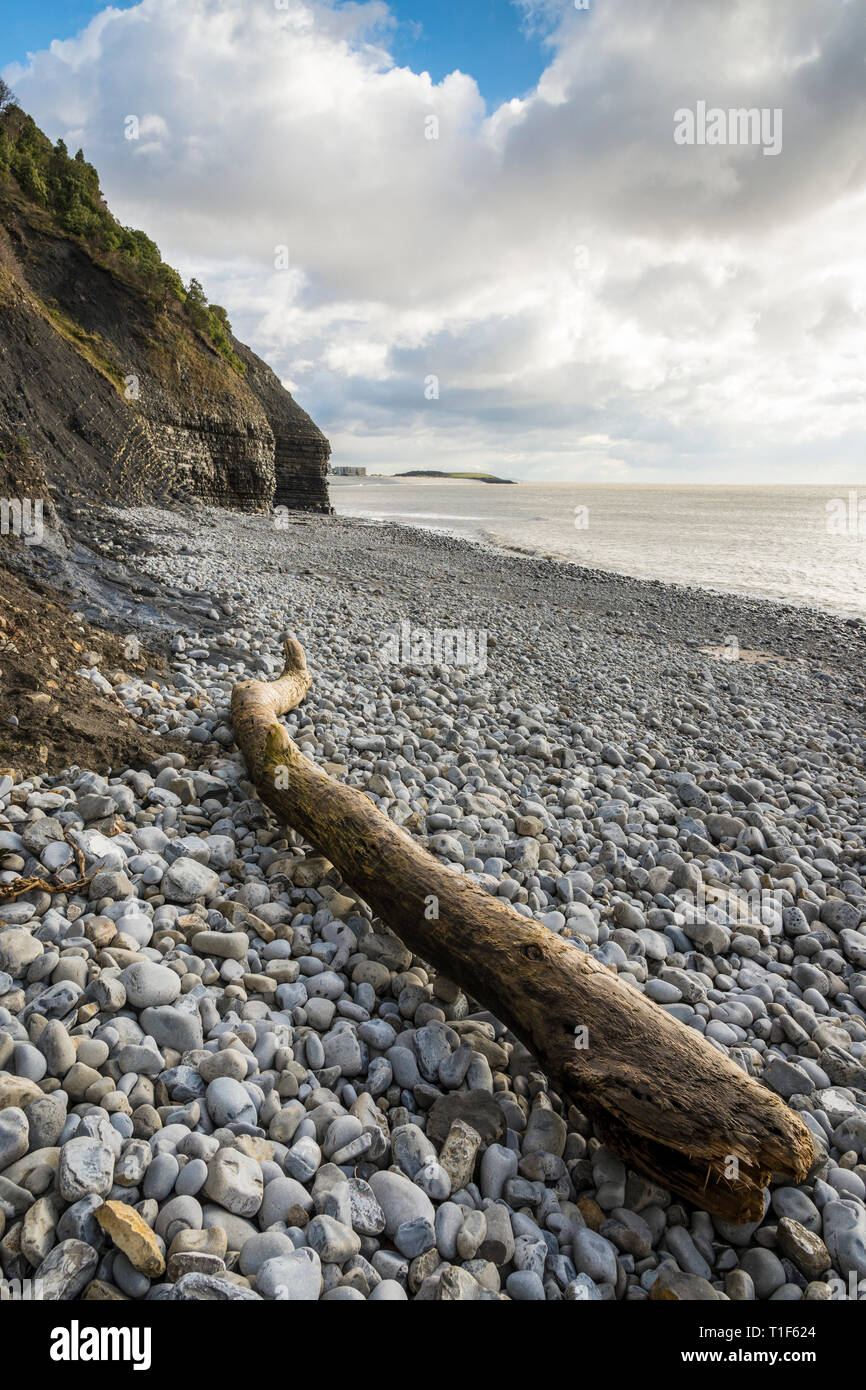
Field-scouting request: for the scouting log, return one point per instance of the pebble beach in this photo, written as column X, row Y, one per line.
column 221, row 1078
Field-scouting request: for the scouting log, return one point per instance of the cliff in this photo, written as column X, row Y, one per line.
column 116, row 381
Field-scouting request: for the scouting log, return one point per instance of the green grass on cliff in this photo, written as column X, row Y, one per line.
column 66, row 189
column 90, row 345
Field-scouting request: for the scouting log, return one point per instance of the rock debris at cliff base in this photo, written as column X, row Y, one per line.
column 49, row 717
column 221, row 1079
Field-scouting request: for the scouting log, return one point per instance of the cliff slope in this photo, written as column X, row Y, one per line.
column 116, row 380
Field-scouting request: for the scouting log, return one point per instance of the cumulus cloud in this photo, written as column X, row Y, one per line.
column 594, row 299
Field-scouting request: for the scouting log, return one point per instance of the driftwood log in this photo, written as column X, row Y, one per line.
column 660, row 1095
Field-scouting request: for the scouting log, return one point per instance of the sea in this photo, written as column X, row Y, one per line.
column 803, row 545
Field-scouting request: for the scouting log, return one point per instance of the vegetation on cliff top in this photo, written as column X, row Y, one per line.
column 67, row 188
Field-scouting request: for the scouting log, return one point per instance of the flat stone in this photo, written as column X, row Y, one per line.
column 803, row 1248
column 210, row 1241
column 476, row 1108
column 79, row 1222
column 193, row 1262
column 187, row 881
column 110, row 883
column 236, row 1229
column 413, row 1238
column 672, row 1285
column 845, row 1236
column 459, row 1153
column 46, row 1117
column 545, row 1132
column 210, row 1288
column 269, row 1245
column 235, row 1182
column 131, row 1234
column 582, row 1290
column 54, row 1002
column 332, row 1241
column 411, row 1148
column 787, row 1079
column 65, row 1272
column 100, row 1291
column 172, row 1026
column 38, row 1231
column 342, row 1050
column 18, row 1092
column 18, row 949
column 368, row 1218
column 86, row 1167
column 227, row 945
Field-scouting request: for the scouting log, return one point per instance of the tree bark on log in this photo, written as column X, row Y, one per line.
column 660, row 1095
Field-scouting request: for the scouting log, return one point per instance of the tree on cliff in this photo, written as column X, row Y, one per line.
column 196, row 305
column 7, row 96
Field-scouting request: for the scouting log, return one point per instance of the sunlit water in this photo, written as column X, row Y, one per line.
column 805, row 545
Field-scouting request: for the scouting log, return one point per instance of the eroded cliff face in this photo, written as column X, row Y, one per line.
column 120, row 398
column 301, row 451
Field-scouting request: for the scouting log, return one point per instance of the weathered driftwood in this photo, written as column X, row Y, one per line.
column 663, row 1098
column 19, row 886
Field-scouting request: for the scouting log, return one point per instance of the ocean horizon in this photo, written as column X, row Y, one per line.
column 804, row 545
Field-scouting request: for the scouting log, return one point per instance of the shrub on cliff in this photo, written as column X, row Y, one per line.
column 69, row 189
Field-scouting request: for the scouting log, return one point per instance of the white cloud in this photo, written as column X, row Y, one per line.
column 714, row 327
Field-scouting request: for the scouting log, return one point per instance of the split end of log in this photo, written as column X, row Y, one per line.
column 728, row 1180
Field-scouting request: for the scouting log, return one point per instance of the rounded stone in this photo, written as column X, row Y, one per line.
column 228, row 1102
column 14, row 1135
column 400, row 1200
column 149, row 985
column 295, row 1278
column 595, row 1256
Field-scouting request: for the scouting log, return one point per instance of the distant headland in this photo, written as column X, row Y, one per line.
column 434, row 473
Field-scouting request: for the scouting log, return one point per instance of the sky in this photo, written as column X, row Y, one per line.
column 487, row 38
column 502, row 234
